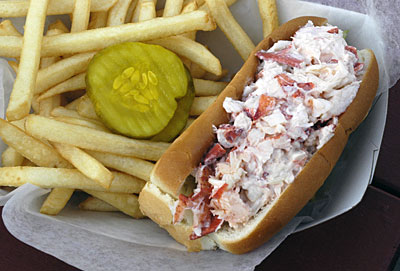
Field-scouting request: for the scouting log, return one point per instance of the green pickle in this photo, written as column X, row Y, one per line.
column 140, row 90
column 178, row 121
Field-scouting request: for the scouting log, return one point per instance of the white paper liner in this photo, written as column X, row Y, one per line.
column 113, row 241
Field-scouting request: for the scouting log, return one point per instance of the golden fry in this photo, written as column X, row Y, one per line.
column 56, row 201
column 131, row 165
column 189, row 7
column 269, row 16
column 117, row 14
column 97, row 205
column 85, row 163
column 193, row 51
column 31, row 148
column 93, row 40
column 47, row 105
column 85, row 108
column 91, row 139
column 208, row 88
column 11, row 158
column 74, row 83
column 80, row 15
column 58, row 24
column 24, row 85
column 126, row 203
column 61, row 71
column 172, row 8
column 8, row 29
column 233, row 31
column 85, row 123
column 200, row 104
column 19, row 8
column 147, row 10
column 66, row 178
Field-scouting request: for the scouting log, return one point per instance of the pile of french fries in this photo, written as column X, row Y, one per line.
column 55, row 139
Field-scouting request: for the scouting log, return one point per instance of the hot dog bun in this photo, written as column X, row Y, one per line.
column 185, row 153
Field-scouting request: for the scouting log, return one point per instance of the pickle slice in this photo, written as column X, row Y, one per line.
column 134, row 87
column 178, row 121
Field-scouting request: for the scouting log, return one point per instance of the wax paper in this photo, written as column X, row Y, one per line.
column 113, row 241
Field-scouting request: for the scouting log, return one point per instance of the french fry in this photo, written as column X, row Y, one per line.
column 198, row 2
column 85, row 108
column 61, row 71
column 85, row 163
column 131, row 165
column 207, row 87
column 72, row 105
column 47, row 105
column 117, row 14
column 98, row 19
column 92, row 40
column 63, row 112
column 172, row 8
column 47, row 61
column 66, row 178
column 233, row 31
column 130, row 11
column 147, row 10
column 189, row 7
column 269, row 16
column 58, row 24
column 213, row 77
column 74, row 83
column 29, row 147
column 11, row 158
column 85, row 123
column 8, row 29
column 95, row 204
column 193, row 51
column 56, row 201
column 58, row 197
column 200, row 104
column 19, row 123
column 10, row 46
column 136, row 13
column 22, row 93
column 91, row 139
column 80, row 15
column 205, row 8
column 55, row 7
column 126, row 203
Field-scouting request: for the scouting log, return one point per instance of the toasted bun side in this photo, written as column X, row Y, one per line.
column 359, row 108
column 156, row 205
column 278, row 213
column 185, row 153
column 274, row 216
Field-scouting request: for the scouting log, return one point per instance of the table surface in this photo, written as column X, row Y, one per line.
column 365, row 238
